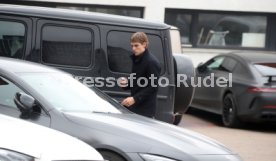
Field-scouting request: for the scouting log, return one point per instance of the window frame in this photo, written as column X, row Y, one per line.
column 195, row 25
column 56, row 23
column 26, row 22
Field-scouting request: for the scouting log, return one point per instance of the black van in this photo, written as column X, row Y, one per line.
column 92, row 45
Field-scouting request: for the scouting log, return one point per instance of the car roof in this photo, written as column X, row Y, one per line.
column 86, row 16
column 22, row 66
column 254, row 56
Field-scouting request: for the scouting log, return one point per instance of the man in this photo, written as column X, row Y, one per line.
column 143, row 98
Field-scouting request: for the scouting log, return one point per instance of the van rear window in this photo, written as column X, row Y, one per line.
column 67, row 46
column 266, row 69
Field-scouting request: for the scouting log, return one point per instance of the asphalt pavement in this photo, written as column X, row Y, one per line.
column 253, row 141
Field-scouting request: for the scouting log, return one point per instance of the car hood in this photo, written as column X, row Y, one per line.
column 152, row 134
column 41, row 142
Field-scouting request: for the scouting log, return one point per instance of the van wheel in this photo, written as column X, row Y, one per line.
column 229, row 112
column 177, row 117
column 111, row 156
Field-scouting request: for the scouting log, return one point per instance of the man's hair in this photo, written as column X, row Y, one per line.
column 139, row 37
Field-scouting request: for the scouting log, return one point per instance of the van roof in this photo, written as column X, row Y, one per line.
column 85, row 16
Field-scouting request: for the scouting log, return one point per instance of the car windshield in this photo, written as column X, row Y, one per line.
column 266, row 69
column 65, row 93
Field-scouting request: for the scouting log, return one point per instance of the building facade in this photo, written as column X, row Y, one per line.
column 208, row 27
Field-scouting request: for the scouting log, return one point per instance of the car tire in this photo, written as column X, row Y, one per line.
column 111, row 156
column 229, row 112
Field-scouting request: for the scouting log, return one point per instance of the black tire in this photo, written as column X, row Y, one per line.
column 229, row 112
column 177, row 118
column 111, row 156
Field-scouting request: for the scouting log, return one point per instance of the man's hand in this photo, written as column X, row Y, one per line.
column 129, row 101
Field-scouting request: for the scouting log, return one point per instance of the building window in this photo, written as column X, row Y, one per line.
column 123, row 11
column 182, row 21
column 12, row 39
column 67, row 46
column 231, row 30
column 119, row 51
column 221, row 30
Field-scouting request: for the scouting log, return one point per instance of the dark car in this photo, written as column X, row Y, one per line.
column 89, row 45
column 54, row 99
column 250, row 94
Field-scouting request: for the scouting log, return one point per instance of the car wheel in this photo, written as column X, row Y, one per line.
column 111, row 156
column 229, row 112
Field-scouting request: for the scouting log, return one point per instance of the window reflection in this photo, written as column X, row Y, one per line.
column 228, row 30
column 182, row 21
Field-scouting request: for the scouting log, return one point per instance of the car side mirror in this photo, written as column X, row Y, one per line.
column 202, row 68
column 24, row 103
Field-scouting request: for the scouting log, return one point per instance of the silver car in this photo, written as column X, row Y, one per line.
column 54, row 99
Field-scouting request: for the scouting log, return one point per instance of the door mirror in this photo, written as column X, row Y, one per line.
column 202, row 68
column 24, row 103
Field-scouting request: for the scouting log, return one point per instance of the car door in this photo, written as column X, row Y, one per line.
column 206, row 96
column 119, row 64
column 8, row 89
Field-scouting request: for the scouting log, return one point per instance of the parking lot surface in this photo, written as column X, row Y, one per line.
column 253, row 142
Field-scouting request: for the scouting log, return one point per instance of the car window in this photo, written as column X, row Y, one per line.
column 215, row 63
column 67, row 46
column 12, row 39
column 65, row 93
column 241, row 70
column 7, row 92
column 228, row 65
column 119, row 51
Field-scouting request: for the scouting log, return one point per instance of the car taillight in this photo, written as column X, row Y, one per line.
column 259, row 89
column 270, row 106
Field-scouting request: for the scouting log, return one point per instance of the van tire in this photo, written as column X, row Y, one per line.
column 183, row 94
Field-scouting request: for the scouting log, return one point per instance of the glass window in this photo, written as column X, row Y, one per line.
column 241, row 71
column 12, row 39
column 180, row 20
column 119, row 52
column 123, row 11
column 215, row 63
column 231, row 30
column 67, row 46
column 7, row 92
column 67, row 94
column 228, row 65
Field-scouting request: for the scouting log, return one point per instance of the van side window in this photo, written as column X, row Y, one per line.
column 67, row 46
column 119, row 51
column 12, row 39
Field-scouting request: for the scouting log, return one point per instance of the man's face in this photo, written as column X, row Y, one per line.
column 138, row 48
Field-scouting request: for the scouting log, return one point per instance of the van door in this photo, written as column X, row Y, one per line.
column 115, row 42
column 69, row 46
column 15, row 36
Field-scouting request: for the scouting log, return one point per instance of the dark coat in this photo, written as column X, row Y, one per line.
column 145, row 97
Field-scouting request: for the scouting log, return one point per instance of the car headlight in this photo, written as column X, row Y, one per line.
column 7, row 155
column 150, row 157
